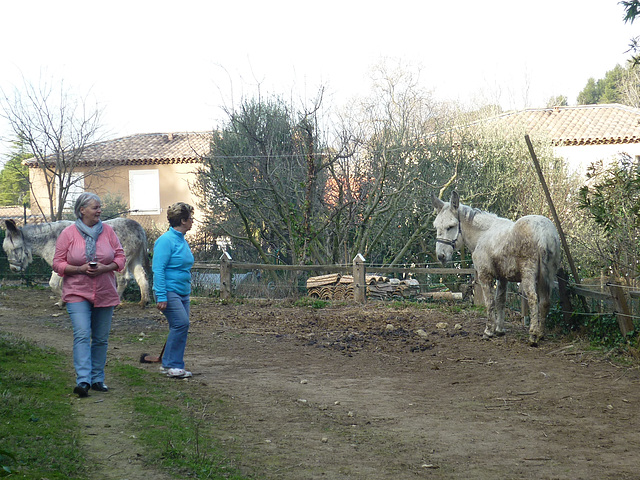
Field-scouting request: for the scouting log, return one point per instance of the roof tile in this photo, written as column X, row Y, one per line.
column 148, row 149
column 579, row 125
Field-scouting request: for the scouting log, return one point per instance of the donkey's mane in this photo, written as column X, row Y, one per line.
column 44, row 230
column 470, row 213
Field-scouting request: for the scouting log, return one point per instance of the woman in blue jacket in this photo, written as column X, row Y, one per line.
column 172, row 262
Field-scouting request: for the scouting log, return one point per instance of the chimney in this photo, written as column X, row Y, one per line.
column 170, row 137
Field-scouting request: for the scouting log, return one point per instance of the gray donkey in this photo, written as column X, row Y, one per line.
column 20, row 244
column 525, row 251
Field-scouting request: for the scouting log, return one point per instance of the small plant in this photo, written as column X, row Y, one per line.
column 556, row 320
column 603, row 330
column 311, row 302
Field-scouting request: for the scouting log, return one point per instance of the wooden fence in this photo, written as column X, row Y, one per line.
column 358, row 270
column 614, row 294
column 612, row 297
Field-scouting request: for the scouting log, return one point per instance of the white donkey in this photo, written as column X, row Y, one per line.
column 20, row 244
column 526, row 251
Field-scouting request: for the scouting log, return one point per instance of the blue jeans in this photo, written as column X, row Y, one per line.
column 177, row 313
column 91, row 326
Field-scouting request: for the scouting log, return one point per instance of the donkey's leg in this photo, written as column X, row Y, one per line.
column 529, row 289
column 544, row 301
column 141, row 279
column 486, row 284
column 55, row 282
column 501, row 299
column 121, row 282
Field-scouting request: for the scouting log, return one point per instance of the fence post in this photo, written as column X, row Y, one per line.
column 225, row 276
column 565, row 299
column 622, row 310
column 359, row 279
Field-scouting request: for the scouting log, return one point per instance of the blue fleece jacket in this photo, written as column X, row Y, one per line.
column 172, row 262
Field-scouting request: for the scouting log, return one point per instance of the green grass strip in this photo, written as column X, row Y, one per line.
column 175, row 426
column 38, row 436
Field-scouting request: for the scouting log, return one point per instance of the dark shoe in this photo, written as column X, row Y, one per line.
column 100, row 387
column 82, row 389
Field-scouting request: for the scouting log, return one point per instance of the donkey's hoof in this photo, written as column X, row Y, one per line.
column 487, row 336
column 533, row 341
column 500, row 333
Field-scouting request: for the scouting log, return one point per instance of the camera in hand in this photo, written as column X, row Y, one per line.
column 93, row 264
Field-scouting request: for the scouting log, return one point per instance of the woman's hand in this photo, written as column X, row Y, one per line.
column 96, row 268
column 161, row 306
column 92, row 269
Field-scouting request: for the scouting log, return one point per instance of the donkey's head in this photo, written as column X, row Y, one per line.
column 447, row 224
column 17, row 250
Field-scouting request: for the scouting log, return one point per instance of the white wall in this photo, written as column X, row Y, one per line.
column 581, row 156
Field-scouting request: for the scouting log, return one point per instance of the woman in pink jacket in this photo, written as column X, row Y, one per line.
column 87, row 254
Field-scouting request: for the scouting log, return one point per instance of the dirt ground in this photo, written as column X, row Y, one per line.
column 352, row 392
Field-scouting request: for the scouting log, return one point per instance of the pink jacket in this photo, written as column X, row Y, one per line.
column 101, row 290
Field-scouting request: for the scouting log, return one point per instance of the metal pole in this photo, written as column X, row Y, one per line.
column 563, row 239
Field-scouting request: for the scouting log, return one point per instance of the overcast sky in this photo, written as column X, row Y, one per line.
column 162, row 66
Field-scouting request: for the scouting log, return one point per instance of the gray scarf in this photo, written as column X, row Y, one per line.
column 90, row 235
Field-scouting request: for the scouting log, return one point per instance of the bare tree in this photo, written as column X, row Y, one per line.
column 630, row 86
column 55, row 127
column 394, row 172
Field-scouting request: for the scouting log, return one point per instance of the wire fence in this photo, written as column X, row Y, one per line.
column 255, row 280
column 285, row 282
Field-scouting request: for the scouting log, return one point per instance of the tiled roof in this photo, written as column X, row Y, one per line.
column 149, row 149
column 580, row 125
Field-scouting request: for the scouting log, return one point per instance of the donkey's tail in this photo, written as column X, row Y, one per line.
column 548, row 265
column 544, row 282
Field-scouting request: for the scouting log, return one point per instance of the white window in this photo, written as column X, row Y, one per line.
column 144, row 192
column 76, row 187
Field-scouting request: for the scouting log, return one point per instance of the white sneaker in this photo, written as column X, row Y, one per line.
column 178, row 373
column 163, row 371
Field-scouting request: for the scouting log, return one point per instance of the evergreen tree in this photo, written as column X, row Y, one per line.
column 605, row 90
column 590, row 94
column 14, row 181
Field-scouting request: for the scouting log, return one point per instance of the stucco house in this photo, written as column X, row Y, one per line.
column 581, row 134
column 148, row 172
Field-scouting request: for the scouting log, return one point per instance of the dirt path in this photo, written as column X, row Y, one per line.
column 107, row 425
column 350, row 392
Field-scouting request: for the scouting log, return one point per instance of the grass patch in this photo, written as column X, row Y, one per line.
column 306, row 302
column 175, row 426
column 39, row 436
column 37, row 430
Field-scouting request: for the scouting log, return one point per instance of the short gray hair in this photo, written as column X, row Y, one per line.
column 177, row 212
column 83, row 200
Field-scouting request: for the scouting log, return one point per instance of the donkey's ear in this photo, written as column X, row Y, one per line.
column 455, row 200
column 11, row 226
column 437, row 203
